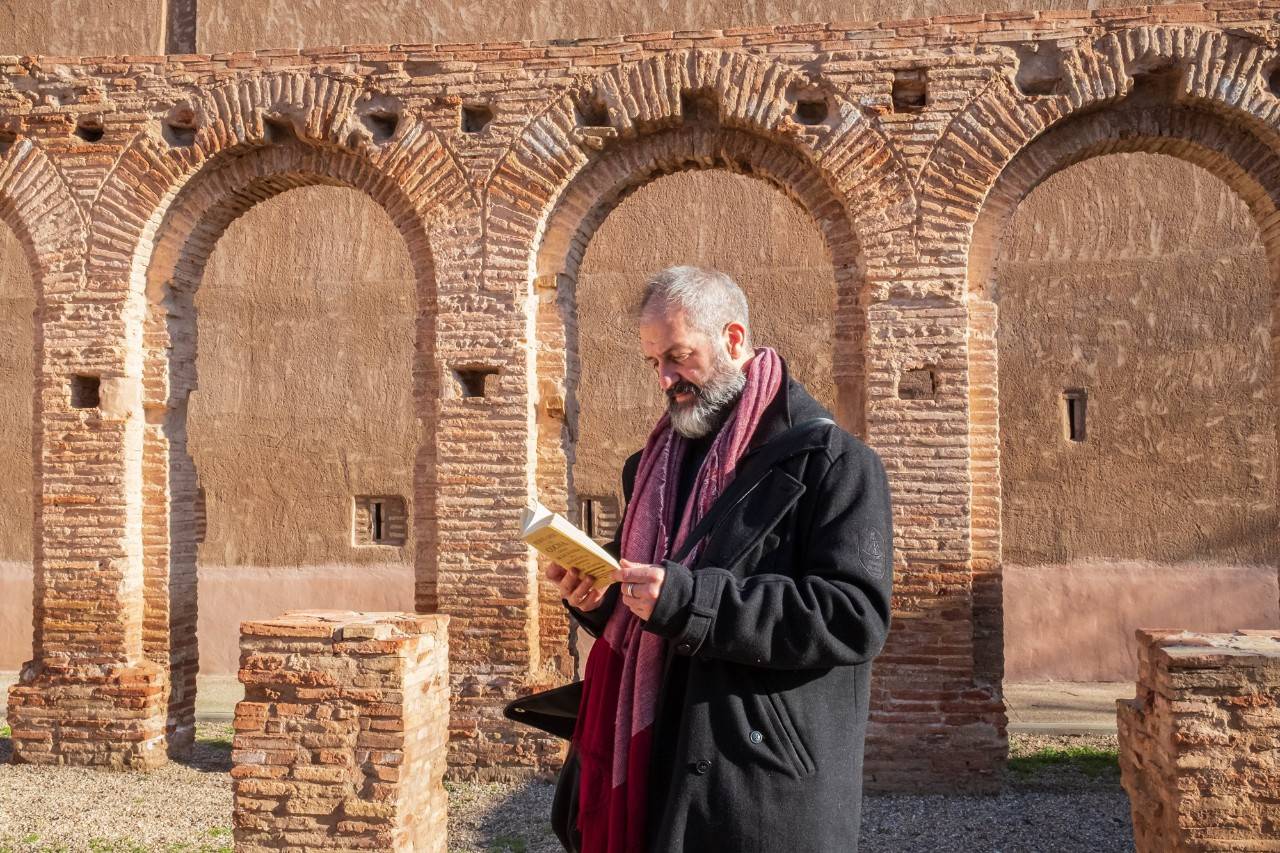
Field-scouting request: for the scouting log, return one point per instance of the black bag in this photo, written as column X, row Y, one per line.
column 556, row 710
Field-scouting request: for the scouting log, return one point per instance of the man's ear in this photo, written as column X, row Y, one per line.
column 735, row 335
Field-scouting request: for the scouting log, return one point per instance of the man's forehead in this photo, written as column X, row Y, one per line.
column 660, row 332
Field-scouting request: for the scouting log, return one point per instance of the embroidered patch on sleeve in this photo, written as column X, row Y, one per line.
column 872, row 554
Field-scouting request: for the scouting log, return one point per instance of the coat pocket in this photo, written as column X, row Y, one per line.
column 776, row 735
column 790, row 735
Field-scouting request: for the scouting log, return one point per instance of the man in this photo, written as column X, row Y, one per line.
column 725, row 698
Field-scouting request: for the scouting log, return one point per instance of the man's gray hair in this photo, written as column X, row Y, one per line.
column 709, row 299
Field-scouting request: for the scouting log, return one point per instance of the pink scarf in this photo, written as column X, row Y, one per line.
column 624, row 670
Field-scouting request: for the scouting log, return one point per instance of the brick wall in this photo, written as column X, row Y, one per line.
column 341, row 737
column 1200, row 743
column 909, row 143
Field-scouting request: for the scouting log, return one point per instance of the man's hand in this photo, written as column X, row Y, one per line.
column 641, row 584
column 577, row 589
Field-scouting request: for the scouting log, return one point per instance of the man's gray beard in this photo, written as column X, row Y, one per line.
column 712, row 405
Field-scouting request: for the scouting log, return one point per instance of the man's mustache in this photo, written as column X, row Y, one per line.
column 683, row 387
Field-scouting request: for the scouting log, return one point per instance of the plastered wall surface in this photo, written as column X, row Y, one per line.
column 17, row 370
column 79, row 28
column 1141, row 280
column 305, row 401
column 76, row 28
column 1157, row 304
column 241, row 24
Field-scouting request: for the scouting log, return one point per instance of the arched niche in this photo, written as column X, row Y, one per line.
column 17, row 377
column 302, row 430
column 1137, row 414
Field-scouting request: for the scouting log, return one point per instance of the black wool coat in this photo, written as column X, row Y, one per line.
column 762, row 714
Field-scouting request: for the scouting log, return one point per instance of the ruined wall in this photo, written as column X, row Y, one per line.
column 730, row 222
column 315, row 579
column 903, row 141
column 1199, row 742
column 17, row 366
column 1157, row 304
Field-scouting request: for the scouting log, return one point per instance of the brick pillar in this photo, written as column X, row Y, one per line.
column 1200, row 743
column 937, row 716
column 89, row 696
column 341, row 738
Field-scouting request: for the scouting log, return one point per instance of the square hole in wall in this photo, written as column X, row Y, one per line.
column 910, row 91
column 90, row 129
column 920, row 383
column 598, row 517
column 379, row 520
column 476, row 381
column 811, row 110
column 86, row 392
column 476, row 117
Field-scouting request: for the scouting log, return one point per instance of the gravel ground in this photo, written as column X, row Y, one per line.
column 187, row 808
column 181, row 807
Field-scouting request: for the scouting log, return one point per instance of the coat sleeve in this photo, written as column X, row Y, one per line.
column 830, row 610
column 593, row 621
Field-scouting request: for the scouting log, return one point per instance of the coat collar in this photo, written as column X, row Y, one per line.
column 792, row 405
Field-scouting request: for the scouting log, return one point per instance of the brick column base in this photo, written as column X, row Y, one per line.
column 1200, row 743
column 100, row 716
column 342, row 735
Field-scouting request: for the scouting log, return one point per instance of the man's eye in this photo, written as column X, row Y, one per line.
column 680, row 357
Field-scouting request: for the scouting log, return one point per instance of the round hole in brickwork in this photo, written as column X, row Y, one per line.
column 89, row 129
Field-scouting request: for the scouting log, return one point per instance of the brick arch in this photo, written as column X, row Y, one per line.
column 603, row 184
column 1208, row 139
column 257, row 138
column 576, row 159
column 848, row 150
column 36, row 203
column 1219, row 74
column 702, row 109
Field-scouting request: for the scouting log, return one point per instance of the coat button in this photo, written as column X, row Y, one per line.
column 701, row 767
column 756, row 737
column 683, row 648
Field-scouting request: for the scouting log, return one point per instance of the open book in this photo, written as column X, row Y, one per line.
column 558, row 540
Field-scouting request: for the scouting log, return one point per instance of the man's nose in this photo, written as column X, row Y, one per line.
column 667, row 377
